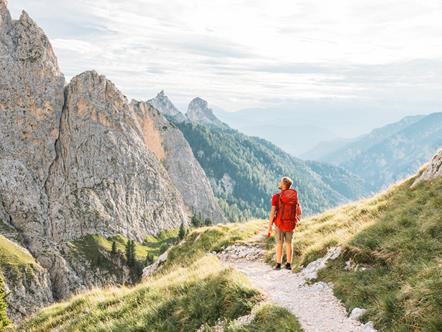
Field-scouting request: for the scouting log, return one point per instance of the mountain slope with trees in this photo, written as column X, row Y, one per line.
column 389, row 153
column 244, row 172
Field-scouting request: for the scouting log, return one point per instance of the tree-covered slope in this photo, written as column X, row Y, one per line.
column 244, row 172
column 390, row 153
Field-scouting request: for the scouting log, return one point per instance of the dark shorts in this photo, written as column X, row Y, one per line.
column 282, row 236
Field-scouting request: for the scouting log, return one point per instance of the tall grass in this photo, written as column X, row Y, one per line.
column 180, row 301
column 396, row 260
column 192, row 290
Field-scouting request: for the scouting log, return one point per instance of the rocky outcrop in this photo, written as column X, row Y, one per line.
column 162, row 103
column 171, row 147
column 432, row 170
column 199, row 112
column 105, row 180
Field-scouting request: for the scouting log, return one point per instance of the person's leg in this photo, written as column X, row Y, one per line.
column 288, row 251
column 288, row 248
column 279, row 241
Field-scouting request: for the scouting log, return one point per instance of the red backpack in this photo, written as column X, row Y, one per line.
column 287, row 210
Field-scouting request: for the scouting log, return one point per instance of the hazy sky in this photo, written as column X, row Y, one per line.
column 252, row 53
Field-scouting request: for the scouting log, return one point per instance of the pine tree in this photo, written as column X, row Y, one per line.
column 114, row 248
column 4, row 321
column 149, row 259
column 207, row 222
column 130, row 252
column 182, row 231
column 195, row 221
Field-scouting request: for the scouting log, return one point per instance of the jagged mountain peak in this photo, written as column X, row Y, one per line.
column 162, row 103
column 199, row 111
column 5, row 17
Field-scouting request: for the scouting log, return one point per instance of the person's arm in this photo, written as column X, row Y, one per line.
column 299, row 211
column 271, row 217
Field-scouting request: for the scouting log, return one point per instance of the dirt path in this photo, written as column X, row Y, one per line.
column 315, row 306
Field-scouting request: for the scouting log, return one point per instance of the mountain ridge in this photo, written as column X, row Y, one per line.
column 243, row 171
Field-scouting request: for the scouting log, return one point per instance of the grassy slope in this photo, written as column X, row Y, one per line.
column 396, row 238
column 401, row 285
column 92, row 248
column 190, row 290
column 15, row 263
column 14, row 260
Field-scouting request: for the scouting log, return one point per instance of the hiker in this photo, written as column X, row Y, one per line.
column 285, row 213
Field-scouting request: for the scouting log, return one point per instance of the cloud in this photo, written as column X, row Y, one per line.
column 244, row 53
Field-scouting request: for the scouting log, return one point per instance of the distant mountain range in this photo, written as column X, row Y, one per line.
column 244, row 170
column 386, row 154
column 299, row 127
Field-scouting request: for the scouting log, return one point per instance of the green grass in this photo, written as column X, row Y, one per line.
column 401, row 256
column 209, row 239
column 270, row 318
column 15, row 261
column 180, row 301
column 192, row 289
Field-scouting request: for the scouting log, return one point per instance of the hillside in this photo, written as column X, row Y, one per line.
column 390, row 153
column 390, row 266
column 192, row 291
column 392, row 249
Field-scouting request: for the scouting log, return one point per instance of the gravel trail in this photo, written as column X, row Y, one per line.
column 315, row 306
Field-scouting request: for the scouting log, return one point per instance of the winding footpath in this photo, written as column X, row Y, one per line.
column 315, row 305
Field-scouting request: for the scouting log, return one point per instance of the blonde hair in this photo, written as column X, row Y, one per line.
column 287, row 181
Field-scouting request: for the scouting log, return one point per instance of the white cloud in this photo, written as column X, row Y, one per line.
column 240, row 54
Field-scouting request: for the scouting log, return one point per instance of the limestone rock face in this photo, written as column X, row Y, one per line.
column 433, row 169
column 105, row 180
column 199, row 112
column 162, row 103
column 31, row 100
column 171, row 147
column 73, row 161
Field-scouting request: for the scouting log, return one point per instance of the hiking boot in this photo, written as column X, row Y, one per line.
column 277, row 266
column 288, row 266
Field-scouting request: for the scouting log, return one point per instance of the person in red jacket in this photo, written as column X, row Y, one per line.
column 285, row 213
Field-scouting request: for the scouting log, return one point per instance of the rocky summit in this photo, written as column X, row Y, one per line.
column 163, row 103
column 198, row 111
column 75, row 161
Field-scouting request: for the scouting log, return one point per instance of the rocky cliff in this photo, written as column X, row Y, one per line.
column 171, row 147
column 198, row 111
column 76, row 160
column 105, row 180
